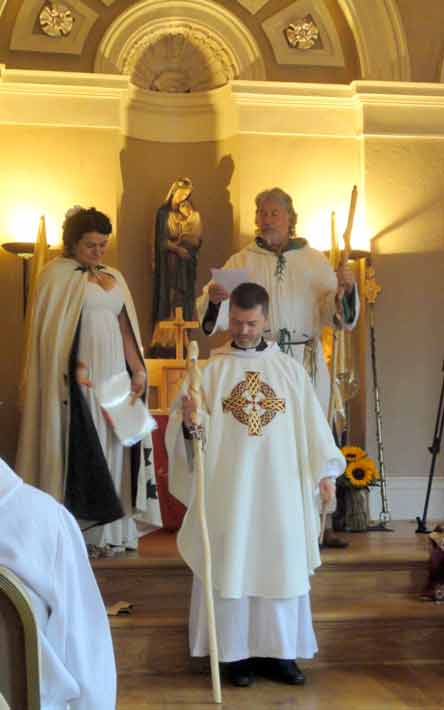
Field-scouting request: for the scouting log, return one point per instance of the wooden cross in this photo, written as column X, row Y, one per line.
column 179, row 325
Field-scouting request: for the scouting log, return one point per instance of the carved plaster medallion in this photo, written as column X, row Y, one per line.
column 302, row 34
column 56, row 20
column 304, row 25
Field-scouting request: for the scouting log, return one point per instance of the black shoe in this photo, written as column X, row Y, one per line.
column 241, row 673
column 281, row 670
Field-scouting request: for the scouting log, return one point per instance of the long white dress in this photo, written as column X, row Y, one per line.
column 101, row 349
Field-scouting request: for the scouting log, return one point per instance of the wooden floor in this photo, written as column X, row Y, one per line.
column 401, row 544
column 380, row 647
column 335, row 687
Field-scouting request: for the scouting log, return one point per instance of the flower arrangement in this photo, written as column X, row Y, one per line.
column 352, row 490
column 361, row 471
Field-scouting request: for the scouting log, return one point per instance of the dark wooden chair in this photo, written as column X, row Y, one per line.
column 19, row 647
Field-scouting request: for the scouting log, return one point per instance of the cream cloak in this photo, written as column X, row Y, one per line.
column 42, row 544
column 302, row 299
column 42, row 458
column 259, row 497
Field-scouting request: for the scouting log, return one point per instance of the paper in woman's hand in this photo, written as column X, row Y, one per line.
column 130, row 422
column 229, row 278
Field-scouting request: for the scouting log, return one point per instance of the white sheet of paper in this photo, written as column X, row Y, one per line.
column 131, row 422
column 230, row 278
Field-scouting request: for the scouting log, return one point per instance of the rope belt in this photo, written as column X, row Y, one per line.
column 286, row 344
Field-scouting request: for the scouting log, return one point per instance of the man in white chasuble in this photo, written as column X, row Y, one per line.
column 42, row 544
column 268, row 447
column 305, row 292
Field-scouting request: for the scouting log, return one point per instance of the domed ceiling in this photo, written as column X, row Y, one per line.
column 182, row 45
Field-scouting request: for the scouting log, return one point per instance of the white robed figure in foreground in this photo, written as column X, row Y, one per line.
column 42, row 544
column 268, row 447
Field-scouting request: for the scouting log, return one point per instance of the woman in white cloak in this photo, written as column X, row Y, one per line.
column 84, row 330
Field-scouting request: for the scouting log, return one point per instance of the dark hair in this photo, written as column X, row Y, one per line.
column 249, row 295
column 80, row 223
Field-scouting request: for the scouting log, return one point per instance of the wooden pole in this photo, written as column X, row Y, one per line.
column 344, row 257
column 323, row 522
column 334, row 260
column 196, row 433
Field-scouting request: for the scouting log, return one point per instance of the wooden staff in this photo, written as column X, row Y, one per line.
column 323, row 522
column 196, row 432
column 342, row 261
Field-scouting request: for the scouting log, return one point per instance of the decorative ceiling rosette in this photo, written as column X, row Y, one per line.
column 56, row 20
column 302, row 34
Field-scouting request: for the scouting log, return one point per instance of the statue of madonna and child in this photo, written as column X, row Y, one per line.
column 178, row 239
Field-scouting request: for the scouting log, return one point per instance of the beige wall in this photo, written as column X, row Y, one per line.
column 405, row 209
column 319, row 173
column 49, row 170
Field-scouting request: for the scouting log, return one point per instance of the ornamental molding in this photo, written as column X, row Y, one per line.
column 363, row 110
column 326, row 52
column 129, row 35
column 380, row 39
column 61, row 99
column 181, row 59
column 28, row 35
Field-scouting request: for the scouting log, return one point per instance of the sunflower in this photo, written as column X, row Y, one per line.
column 361, row 473
column 353, row 453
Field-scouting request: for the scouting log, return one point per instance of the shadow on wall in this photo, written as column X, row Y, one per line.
column 402, row 233
column 148, row 169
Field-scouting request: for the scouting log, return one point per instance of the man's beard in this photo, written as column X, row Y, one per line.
column 274, row 239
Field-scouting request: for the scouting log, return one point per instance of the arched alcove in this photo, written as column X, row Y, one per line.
column 214, row 42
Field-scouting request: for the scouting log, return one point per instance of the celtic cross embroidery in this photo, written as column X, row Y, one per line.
column 253, row 403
